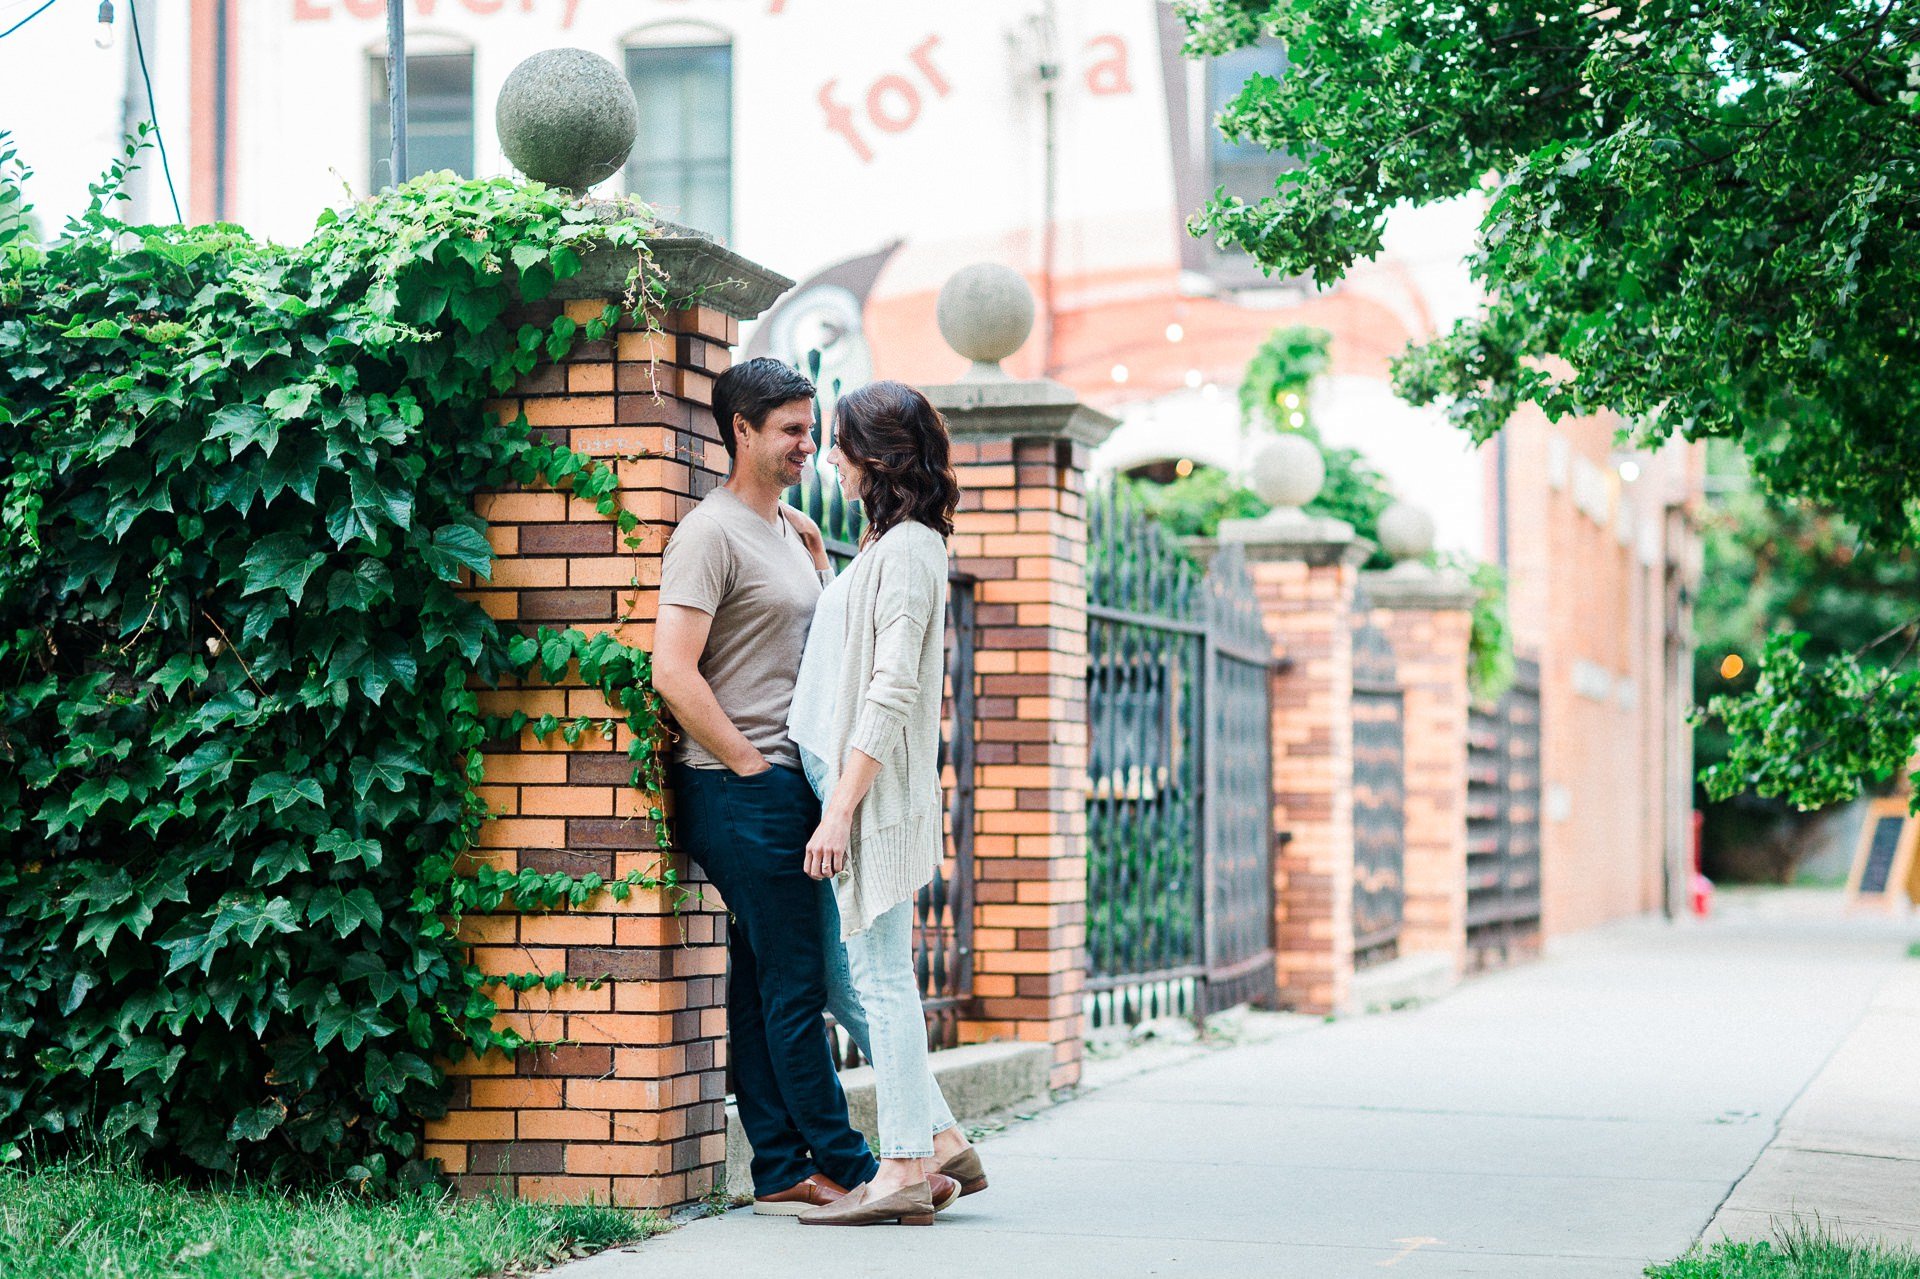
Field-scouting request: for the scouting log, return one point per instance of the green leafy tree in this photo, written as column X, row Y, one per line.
column 1699, row 216
column 238, row 734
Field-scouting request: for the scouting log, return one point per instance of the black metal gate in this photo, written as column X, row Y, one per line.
column 1379, row 800
column 1179, row 802
column 1503, row 823
column 1237, row 800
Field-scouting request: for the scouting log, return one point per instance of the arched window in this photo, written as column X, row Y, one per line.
column 682, row 77
column 439, row 109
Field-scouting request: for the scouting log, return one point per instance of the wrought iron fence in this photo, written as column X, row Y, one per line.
column 943, row 912
column 1379, row 799
column 1179, row 802
column 1503, row 823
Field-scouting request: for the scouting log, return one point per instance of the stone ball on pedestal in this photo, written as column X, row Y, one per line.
column 985, row 312
column 567, row 117
column 1406, row 532
column 1288, row 471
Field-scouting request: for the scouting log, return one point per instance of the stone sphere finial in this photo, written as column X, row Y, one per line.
column 1406, row 532
column 985, row 313
column 567, row 117
column 1288, row 471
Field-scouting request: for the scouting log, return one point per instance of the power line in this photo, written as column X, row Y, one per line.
column 153, row 114
column 29, row 18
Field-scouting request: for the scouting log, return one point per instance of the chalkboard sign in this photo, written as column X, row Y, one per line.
column 1883, row 863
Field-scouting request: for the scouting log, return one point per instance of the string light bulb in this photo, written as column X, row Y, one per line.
column 1175, row 333
column 1183, row 468
column 1731, row 665
column 103, row 28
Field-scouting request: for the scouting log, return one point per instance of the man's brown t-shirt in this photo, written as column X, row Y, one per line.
column 759, row 585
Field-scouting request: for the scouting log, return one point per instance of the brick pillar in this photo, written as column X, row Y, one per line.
column 1305, row 572
column 1021, row 452
column 1427, row 617
column 629, row 1109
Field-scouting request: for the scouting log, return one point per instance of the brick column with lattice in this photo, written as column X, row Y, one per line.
column 1305, row 575
column 1021, row 451
column 1427, row 618
column 629, row 1108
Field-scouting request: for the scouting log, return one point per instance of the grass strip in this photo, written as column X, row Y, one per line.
column 93, row 1219
column 1797, row 1252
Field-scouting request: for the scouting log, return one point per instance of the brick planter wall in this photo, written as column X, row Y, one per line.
column 631, row 1109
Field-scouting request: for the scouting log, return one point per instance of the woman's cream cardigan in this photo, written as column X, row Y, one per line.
column 888, row 706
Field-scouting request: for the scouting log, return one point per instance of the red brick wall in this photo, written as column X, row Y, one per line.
column 1021, row 530
column 631, row 1109
column 1430, row 655
column 1307, row 608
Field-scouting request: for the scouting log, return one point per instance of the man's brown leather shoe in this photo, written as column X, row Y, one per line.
column 816, row 1191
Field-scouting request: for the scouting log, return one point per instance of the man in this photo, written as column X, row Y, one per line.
column 738, row 587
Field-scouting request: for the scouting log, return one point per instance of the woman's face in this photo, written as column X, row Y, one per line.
column 851, row 476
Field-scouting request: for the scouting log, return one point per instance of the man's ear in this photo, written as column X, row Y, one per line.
column 741, row 427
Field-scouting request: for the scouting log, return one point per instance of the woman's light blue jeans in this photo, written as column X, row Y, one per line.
column 873, row 994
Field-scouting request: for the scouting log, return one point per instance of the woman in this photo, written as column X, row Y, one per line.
column 866, row 717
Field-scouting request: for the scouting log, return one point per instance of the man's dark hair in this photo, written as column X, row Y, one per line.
column 753, row 390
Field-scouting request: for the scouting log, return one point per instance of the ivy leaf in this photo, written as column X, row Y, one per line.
column 285, row 791
column 244, row 426
column 277, row 862
column 289, row 403
column 148, row 1054
column 466, row 625
column 254, row 1123
column 179, row 669
column 101, row 926
column 367, row 585
column 351, row 1026
column 390, row 767
column 372, row 507
column 375, row 666
column 458, row 546
column 346, row 910
column 281, row 562
column 343, row 847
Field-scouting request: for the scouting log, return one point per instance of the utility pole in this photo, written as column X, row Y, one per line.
column 397, row 86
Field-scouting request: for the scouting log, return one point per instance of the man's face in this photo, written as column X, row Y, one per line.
column 776, row 454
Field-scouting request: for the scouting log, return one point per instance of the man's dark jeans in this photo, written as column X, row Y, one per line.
column 749, row 834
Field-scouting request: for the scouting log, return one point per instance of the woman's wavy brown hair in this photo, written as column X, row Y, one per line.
column 900, row 443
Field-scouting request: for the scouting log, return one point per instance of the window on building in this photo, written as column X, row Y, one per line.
column 439, row 116
column 1245, row 169
column 683, row 161
column 1204, row 161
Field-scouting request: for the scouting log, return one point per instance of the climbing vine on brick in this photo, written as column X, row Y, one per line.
column 238, row 741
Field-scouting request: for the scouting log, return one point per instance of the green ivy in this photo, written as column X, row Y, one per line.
column 239, row 726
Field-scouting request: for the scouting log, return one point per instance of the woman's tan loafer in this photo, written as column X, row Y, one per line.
column 908, row 1206
column 965, row 1168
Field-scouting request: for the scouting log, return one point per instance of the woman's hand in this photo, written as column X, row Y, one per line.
column 827, row 850
column 810, row 536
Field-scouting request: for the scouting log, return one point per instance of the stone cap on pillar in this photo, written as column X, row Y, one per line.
column 1288, row 472
column 696, row 268
column 1027, row 410
column 1407, row 534
column 1429, row 590
column 986, row 313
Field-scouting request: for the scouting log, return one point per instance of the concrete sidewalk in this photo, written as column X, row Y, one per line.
column 1847, row 1160
column 1577, row 1117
